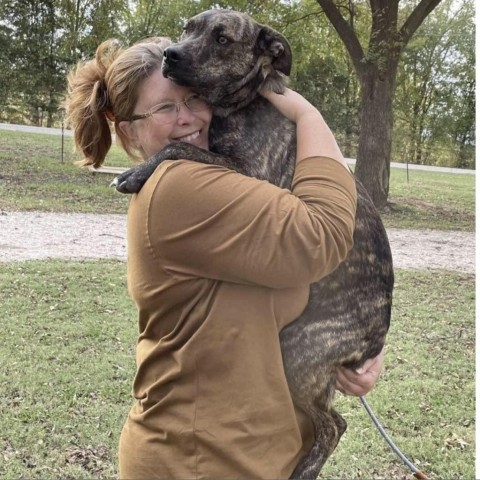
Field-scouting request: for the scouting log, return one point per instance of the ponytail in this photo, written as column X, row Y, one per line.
column 87, row 105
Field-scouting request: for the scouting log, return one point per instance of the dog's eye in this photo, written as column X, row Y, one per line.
column 222, row 40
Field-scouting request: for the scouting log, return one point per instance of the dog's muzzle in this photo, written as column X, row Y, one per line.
column 172, row 55
column 173, row 59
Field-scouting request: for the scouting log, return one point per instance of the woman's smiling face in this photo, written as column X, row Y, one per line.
column 150, row 134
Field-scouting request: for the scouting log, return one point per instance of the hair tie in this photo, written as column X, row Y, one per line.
column 102, row 102
column 109, row 114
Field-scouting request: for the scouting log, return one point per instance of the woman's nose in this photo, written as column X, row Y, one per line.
column 185, row 115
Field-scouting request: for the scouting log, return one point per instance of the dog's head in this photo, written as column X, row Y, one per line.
column 227, row 57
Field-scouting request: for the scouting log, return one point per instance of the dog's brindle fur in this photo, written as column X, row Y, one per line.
column 227, row 57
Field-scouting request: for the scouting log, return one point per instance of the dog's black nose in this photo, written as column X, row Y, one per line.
column 172, row 54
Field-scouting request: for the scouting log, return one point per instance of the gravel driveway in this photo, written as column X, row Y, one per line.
column 38, row 235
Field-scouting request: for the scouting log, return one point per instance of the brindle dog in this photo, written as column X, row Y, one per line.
column 227, row 57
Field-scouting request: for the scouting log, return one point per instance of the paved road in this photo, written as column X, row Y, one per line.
column 30, row 129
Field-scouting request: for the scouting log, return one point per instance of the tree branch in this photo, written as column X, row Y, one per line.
column 415, row 19
column 299, row 19
column 345, row 32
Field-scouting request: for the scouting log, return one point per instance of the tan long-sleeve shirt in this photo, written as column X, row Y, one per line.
column 218, row 264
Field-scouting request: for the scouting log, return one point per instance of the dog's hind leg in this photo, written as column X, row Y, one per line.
column 329, row 427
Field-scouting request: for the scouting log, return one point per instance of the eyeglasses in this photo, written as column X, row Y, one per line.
column 168, row 112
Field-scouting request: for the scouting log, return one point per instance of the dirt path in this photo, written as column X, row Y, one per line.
column 35, row 235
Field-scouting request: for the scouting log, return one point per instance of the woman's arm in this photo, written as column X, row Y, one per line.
column 208, row 221
column 314, row 137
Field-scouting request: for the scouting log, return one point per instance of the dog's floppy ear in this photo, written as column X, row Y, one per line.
column 276, row 46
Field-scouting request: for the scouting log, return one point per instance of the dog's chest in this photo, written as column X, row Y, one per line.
column 259, row 136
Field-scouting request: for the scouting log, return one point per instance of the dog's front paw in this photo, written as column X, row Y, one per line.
column 130, row 181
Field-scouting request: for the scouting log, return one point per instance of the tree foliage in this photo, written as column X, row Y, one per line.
column 30, row 58
column 44, row 38
column 434, row 104
column 435, row 101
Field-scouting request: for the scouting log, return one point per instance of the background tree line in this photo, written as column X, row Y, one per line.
column 434, row 102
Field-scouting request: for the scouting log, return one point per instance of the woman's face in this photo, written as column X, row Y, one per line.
column 151, row 134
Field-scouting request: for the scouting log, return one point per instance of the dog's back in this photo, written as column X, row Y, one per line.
column 348, row 313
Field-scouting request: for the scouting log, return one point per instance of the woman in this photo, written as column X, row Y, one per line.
column 211, row 396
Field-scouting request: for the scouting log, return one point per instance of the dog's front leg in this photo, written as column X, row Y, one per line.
column 133, row 180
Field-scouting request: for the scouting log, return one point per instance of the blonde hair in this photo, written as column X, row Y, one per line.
column 105, row 89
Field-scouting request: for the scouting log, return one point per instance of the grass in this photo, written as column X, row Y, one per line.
column 68, row 360
column 34, row 178
column 434, row 200
column 425, row 397
column 67, row 349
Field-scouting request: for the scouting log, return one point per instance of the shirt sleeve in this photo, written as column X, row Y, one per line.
column 208, row 221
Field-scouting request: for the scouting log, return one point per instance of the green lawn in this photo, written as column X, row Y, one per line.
column 435, row 200
column 33, row 177
column 67, row 349
column 68, row 333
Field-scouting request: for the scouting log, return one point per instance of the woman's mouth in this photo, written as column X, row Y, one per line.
column 189, row 138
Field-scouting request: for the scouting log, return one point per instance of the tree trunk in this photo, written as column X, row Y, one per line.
column 376, row 68
column 375, row 142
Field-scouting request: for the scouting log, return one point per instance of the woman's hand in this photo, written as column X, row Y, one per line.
column 360, row 381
